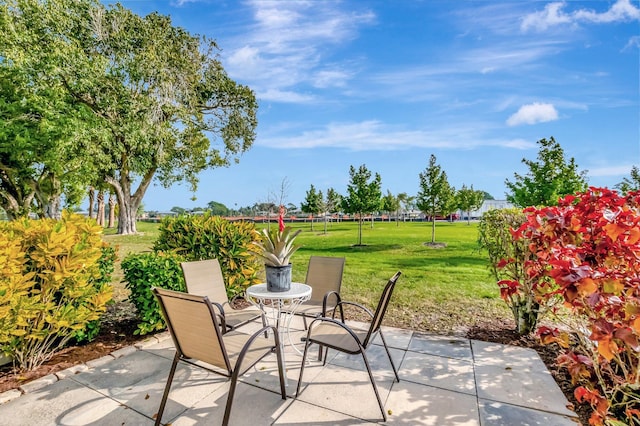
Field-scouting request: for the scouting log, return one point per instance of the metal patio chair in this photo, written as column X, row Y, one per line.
column 204, row 278
column 334, row 334
column 197, row 336
column 324, row 275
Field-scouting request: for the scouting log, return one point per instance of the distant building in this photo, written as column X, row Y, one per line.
column 485, row 207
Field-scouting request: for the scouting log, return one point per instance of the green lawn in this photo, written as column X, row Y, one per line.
column 441, row 289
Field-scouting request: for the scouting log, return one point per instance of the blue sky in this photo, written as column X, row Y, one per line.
column 388, row 83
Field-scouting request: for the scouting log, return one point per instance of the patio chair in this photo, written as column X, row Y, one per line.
column 334, row 334
column 197, row 336
column 324, row 275
column 204, row 278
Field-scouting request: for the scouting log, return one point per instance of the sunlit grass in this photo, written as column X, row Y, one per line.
column 442, row 289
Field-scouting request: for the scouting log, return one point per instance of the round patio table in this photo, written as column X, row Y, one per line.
column 299, row 293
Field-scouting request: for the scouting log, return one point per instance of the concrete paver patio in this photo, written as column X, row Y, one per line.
column 443, row 381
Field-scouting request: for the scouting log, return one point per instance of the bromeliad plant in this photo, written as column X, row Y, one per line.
column 276, row 246
column 589, row 245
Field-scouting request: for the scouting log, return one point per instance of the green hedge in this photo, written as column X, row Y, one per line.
column 144, row 271
column 189, row 238
column 208, row 237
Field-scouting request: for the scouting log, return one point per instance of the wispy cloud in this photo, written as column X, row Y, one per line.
column 285, row 47
column 634, row 42
column 373, row 135
column 554, row 14
column 532, row 114
column 611, row 170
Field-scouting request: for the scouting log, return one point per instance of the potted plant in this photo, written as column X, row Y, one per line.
column 275, row 248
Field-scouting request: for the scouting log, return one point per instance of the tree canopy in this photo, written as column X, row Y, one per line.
column 548, row 179
column 312, row 203
column 390, row 204
column 436, row 196
column 163, row 105
column 468, row 199
column 363, row 195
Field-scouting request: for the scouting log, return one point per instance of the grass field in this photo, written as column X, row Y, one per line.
column 441, row 290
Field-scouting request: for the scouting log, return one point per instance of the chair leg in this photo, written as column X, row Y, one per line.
column 393, row 366
column 375, row 388
column 264, row 322
column 304, row 358
column 281, row 370
column 172, row 371
column 232, row 391
column 304, row 320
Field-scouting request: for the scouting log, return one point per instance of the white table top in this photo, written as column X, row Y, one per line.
column 297, row 290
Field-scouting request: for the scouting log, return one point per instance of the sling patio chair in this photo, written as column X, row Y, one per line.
column 197, row 336
column 204, row 278
column 324, row 275
column 334, row 334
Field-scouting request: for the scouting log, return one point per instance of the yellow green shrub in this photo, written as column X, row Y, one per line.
column 52, row 286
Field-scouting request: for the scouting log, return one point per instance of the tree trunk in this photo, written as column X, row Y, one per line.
column 360, row 229
column 433, row 229
column 325, row 223
column 312, row 222
column 112, row 210
column 100, row 209
column 92, row 198
column 16, row 208
column 525, row 314
column 127, row 219
column 50, row 206
column 129, row 203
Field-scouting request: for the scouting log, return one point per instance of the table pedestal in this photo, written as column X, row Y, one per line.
column 298, row 294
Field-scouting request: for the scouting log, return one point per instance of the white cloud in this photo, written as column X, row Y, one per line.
column 288, row 42
column 611, row 170
column 331, row 78
column 373, row 135
column 621, row 11
column 285, row 96
column 553, row 15
column 634, row 42
column 532, row 114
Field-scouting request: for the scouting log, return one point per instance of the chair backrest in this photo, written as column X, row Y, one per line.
column 193, row 326
column 376, row 322
column 204, row 278
column 324, row 274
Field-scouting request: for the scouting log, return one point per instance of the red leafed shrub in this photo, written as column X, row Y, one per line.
column 589, row 245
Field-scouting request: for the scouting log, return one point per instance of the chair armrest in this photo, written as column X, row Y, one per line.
column 357, row 305
column 325, row 300
column 220, row 309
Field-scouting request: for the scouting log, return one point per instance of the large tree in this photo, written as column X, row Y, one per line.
column 363, row 195
column 217, row 208
column 468, row 199
column 436, row 196
column 548, row 179
column 165, row 108
column 313, row 203
column 38, row 145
